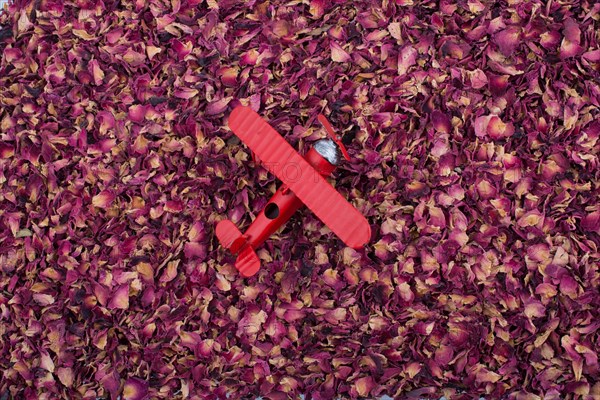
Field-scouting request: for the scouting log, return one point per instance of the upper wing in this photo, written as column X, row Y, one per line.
column 311, row 188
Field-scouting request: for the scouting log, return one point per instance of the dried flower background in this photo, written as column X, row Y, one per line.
column 475, row 158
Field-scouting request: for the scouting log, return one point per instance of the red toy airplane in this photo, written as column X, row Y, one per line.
column 308, row 186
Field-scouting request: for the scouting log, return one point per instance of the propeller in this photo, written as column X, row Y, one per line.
column 335, row 137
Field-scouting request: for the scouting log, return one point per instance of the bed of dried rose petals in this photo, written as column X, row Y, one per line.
column 475, row 143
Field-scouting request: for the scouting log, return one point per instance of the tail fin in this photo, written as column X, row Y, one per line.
column 230, row 236
column 247, row 262
column 232, row 239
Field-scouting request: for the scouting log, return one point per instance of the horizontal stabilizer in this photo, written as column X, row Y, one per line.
column 230, row 236
column 247, row 262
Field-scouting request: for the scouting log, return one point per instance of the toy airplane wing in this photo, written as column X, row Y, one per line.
column 279, row 158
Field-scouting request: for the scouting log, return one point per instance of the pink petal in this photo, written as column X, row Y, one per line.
column 228, row 76
column 217, row 107
column 334, row 317
column 170, row 272
column 569, row 286
column 406, row 59
column 550, row 40
column 182, row 49
column 571, row 31
column 441, row 122
column 364, row 385
column 66, row 377
column 152, row 51
column 6, row 150
column 492, row 126
column 197, row 232
column 206, row 347
column 134, row 58
column 281, row 28
column 140, row 145
column 546, row 290
column 498, row 84
column 478, row 79
column 222, row 283
column 23, row 24
column 443, row 355
column 481, row 124
column 424, row 328
column 43, row 299
column 591, row 222
column 174, row 206
column 104, row 199
column 416, row 189
column 275, row 328
column 412, row 369
column 530, row 218
column 508, row 40
column 194, row 250
column 405, row 292
column 149, row 329
column 485, row 189
column 185, row 93
column 114, row 35
column 46, row 361
column 317, row 8
column 483, row 375
column 120, row 299
column 12, row 54
column 102, row 294
column 534, row 309
column 249, row 58
column 137, row 112
column 190, row 339
column 569, row 49
column 593, row 56
column 437, row 217
column 135, row 389
column 107, row 121
column 109, row 379
column 539, row 252
column 338, row 54
column 252, row 322
column 498, row 129
column 96, row 71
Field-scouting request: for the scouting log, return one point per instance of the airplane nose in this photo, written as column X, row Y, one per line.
column 329, row 151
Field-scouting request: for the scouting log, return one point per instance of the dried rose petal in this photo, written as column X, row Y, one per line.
column 66, row 376
column 317, row 8
column 338, row 54
column 406, row 59
column 120, row 298
column 135, row 389
column 218, row 106
column 364, row 385
column 493, row 127
column 195, row 250
column 473, row 134
column 508, row 40
column 103, row 199
column 441, row 122
column 137, row 113
column 591, row 222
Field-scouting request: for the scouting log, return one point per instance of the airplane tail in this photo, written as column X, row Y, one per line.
column 232, row 239
column 247, row 262
column 230, row 236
